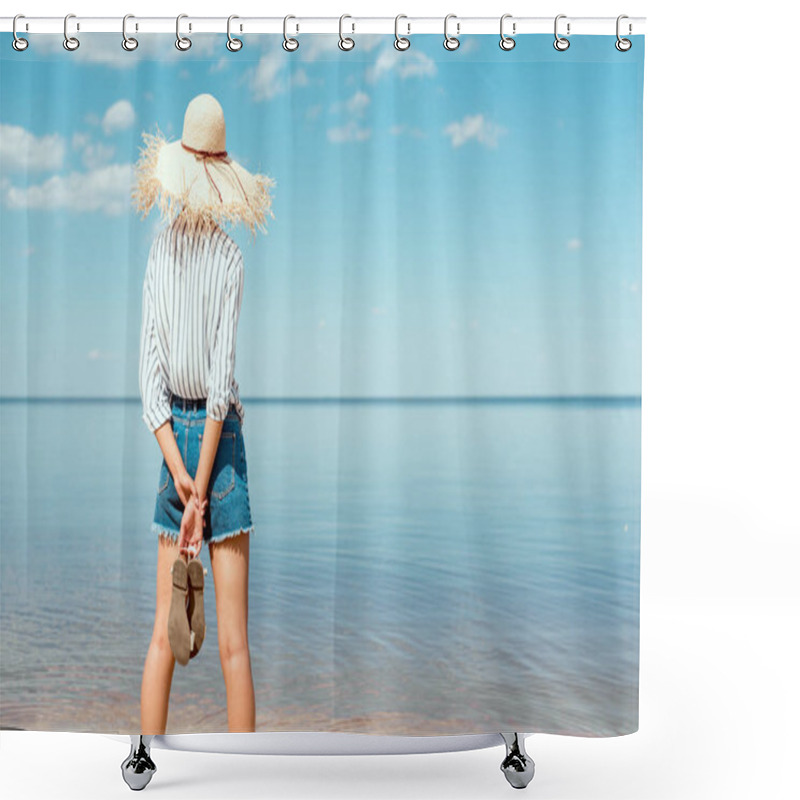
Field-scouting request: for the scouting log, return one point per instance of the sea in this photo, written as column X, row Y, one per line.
column 419, row 566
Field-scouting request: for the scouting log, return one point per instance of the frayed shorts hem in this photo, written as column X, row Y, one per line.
column 169, row 533
column 172, row 534
column 229, row 534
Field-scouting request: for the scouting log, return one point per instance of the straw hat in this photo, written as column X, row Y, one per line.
column 196, row 175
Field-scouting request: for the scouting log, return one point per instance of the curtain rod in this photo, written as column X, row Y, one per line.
column 457, row 26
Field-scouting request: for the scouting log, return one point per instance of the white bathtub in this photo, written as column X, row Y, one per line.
column 138, row 767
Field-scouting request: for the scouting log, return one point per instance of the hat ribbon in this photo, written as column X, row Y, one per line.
column 220, row 155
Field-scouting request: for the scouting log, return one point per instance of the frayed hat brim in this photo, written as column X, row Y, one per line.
column 205, row 190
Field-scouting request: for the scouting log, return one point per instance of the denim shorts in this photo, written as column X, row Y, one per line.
column 228, row 508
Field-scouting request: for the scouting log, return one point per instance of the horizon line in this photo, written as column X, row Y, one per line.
column 356, row 399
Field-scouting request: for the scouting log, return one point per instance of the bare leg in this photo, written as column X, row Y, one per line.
column 230, row 562
column 160, row 662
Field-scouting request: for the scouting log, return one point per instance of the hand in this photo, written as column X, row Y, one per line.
column 190, row 540
column 186, row 488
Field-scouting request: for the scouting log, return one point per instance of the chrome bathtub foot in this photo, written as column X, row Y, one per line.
column 138, row 768
column 517, row 766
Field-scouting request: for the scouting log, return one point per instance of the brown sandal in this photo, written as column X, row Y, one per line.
column 178, row 625
column 196, row 612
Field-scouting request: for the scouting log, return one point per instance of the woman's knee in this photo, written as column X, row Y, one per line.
column 159, row 642
column 233, row 647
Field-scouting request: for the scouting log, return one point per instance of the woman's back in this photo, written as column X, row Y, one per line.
column 190, row 311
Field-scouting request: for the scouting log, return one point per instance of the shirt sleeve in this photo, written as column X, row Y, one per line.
column 223, row 350
column 152, row 387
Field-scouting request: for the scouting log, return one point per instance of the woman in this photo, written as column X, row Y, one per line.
column 191, row 300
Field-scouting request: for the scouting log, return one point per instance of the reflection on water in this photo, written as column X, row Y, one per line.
column 417, row 568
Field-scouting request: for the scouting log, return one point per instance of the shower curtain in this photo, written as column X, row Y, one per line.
column 438, row 357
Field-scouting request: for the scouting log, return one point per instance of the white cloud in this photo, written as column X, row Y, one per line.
column 418, row 66
column 118, row 117
column 266, row 78
column 272, row 75
column 475, row 127
column 20, row 150
column 408, row 130
column 300, row 78
column 369, row 41
column 574, row 244
column 80, row 140
column 312, row 112
column 348, row 133
column 357, row 103
column 316, row 45
column 106, row 189
column 97, row 154
column 468, row 44
column 407, row 64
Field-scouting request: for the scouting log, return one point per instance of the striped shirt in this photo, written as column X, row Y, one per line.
column 191, row 299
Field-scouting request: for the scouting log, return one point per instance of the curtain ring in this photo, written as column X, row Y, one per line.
column 128, row 42
column 19, row 43
column 560, row 43
column 346, row 43
column 400, row 42
column 623, row 45
column 70, row 42
column 181, row 42
column 451, row 42
column 233, row 44
column 289, row 44
column 506, row 42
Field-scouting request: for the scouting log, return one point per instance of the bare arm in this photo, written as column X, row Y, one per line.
column 172, row 455
column 208, row 452
column 169, row 447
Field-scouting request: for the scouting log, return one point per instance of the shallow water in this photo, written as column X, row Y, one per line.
column 417, row 568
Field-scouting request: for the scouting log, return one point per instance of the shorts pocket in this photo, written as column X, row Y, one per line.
column 165, row 476
column 223, row 473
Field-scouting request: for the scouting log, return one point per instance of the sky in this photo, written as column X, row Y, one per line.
column 462, row 223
